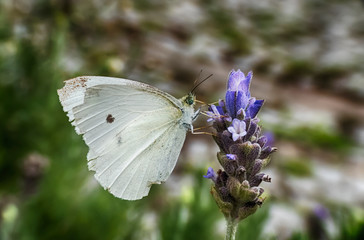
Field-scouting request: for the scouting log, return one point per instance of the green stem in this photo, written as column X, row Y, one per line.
column 231, row 227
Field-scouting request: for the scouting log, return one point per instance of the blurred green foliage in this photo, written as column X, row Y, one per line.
column 223, row 21
column 192, row 217
column 316, row 137
column 253, row 228
column 351, row 223
column 298, row 167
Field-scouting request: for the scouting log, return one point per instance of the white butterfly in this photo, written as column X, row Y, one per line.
column 134, row 131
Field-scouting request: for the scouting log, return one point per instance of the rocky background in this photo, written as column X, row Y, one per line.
column 307, row 58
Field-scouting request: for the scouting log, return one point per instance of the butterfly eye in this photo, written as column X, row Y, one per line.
column 189, row 100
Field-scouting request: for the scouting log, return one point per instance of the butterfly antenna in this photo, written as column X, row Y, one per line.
column 213, row 103
column 201, row 82
column 202, row 102
column 198, row 77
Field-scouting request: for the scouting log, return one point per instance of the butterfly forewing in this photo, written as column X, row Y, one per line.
column 132, row 130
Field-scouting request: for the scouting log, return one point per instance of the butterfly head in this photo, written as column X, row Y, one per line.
column 189, row 99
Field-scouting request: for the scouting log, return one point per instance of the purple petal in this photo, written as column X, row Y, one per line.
column 210, row 174
column 210, row 114
column 235, row 136
column 230, row 103
column 242, row 127
column 215, row 113
column 321, row 212
column 220, row 110
column 253, row 109
column 221, row 103
column 231, row 156
column 241, row 100
column 214, row 109
column 262, row 141
column 270, row 138
column 235, row 77
column 251, row 101
column 236, row 124
column 231, row 129
column 245, row 84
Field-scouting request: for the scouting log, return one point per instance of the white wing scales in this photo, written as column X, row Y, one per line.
column 132, row 130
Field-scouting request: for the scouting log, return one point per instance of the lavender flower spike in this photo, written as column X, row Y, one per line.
column 244, row 151
column 238, row 129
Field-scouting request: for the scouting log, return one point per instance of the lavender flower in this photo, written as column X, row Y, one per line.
column 321, row 212
column 270, row 138
column 243, row 150
column 237, row 129
column 231, row 156
column 210, row 174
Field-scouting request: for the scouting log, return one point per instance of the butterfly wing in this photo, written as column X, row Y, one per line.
column 132, row 130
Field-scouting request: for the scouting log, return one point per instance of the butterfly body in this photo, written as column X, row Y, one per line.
column 134, row 131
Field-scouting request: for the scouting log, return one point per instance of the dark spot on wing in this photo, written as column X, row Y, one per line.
column 110, row 118
column 119, row 140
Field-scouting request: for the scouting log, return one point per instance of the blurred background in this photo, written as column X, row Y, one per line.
column 307, row 58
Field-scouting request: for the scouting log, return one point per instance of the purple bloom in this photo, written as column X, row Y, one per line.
column 238, row 81
column 254, row 107
column 321, row 212
column 238, row 129
column 238, row 95
column 214, row 113
column 270, row 138
column 221, row 103
column 231, row 156
column 210, row 174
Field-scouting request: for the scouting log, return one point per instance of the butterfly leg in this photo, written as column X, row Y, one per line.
column 207, row 133
column 195, row 115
